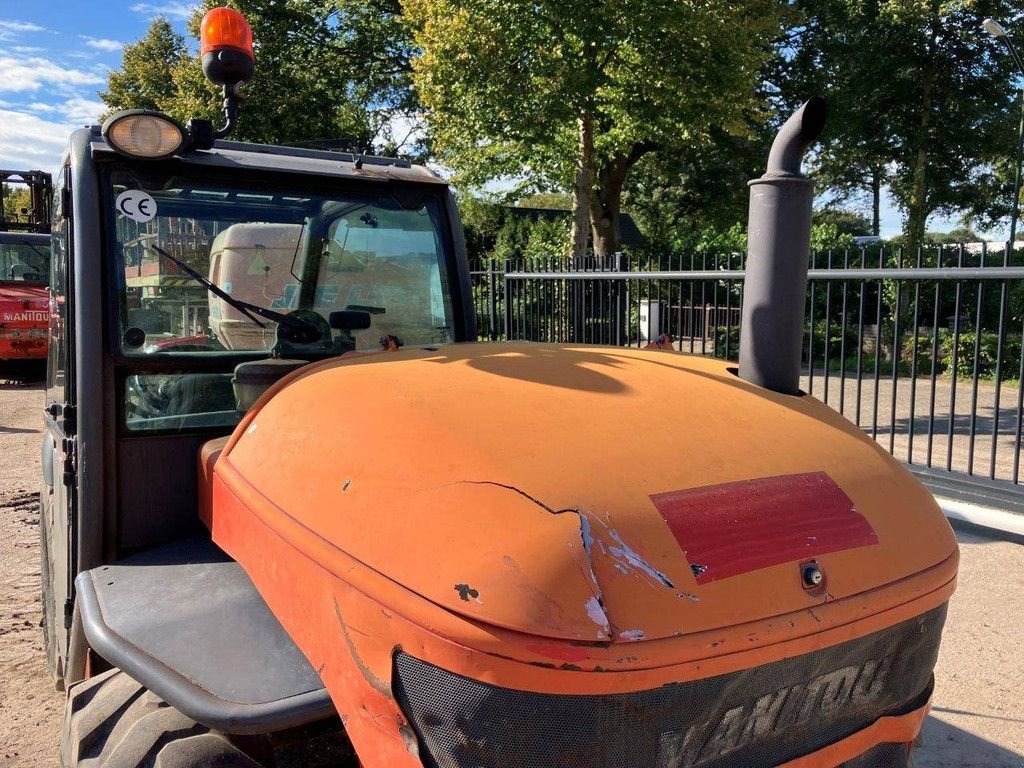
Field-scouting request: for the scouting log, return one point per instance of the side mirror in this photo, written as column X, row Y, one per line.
column 350, row 320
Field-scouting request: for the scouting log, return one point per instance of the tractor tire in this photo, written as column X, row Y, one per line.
column 111, row 721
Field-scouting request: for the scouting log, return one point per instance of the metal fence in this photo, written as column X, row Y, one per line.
column 923, row 351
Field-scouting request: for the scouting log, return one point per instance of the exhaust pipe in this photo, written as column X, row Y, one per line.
column 778, row 247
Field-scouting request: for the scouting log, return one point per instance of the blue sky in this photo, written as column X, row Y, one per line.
column 55, row 56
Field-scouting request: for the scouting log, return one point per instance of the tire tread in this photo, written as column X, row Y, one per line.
column 111, row 721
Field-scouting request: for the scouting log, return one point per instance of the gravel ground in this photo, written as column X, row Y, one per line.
column 30, row 708
column 977, row 718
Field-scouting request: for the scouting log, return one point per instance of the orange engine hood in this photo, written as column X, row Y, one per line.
column 580, row 493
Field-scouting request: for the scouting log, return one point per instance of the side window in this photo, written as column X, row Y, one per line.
column 386, row 260
column 56, row 367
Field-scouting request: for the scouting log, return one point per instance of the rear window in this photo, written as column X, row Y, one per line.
column 24, row 259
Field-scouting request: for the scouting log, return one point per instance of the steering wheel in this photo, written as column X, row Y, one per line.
column 145, row 400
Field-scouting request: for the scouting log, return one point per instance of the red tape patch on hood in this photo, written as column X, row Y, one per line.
column 735, row 528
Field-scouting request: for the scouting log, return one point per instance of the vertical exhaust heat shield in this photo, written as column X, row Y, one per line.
column 778, row 247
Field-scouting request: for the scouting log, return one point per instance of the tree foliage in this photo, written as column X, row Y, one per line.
column 146, row 77
column 845, row 222
column 495, row 232
column 573, row 95
column 17, row 202
column 694, row 199
column 558, row 201
column 664, row 108
column 920, row 99
column 325, row 69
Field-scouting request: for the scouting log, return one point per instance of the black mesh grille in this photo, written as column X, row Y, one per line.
column 752, row 718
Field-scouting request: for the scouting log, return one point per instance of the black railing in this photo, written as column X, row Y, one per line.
column 923, row 351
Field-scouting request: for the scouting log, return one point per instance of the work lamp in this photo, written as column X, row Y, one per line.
column 144, row 134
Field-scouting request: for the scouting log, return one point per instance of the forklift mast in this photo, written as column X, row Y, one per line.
column 15, row 214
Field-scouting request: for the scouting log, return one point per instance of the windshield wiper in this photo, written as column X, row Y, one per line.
column 247, row 309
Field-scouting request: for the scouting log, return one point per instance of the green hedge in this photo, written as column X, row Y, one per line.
column 732, row 335
column 988, row 346
column 988, row 349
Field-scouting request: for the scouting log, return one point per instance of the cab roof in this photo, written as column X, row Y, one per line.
column 265, row 157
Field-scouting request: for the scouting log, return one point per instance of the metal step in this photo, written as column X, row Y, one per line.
column 186, row 622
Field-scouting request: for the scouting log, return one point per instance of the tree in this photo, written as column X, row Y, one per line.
column 845, row 222
column 375, row 46
column 839, row 49
column 960, row 122
column 697, row 198
column 558, row 201
column 954, row 237
column 919, row 99
column 496, row 232
column 826, row 235
column 299, row 90
column 574, row 95
column 17, row 202
column 325, row 69
column 146, row 77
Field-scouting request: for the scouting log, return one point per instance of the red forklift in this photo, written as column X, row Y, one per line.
column 24, row 273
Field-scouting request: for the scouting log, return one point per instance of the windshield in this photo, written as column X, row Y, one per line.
column 24, row 260
column 281, row 250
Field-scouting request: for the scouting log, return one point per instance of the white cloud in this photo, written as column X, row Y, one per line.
column 103, row 43
column 10, row 25
column 30, row 142
column 172, row 10
column 77, row 109
column 33, row 72
column 11, row 29
column 36, row 139
column 81, row 111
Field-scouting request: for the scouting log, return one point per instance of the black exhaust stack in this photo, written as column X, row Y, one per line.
column 778, row 247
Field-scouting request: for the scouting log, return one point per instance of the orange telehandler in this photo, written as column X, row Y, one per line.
column 293, row 516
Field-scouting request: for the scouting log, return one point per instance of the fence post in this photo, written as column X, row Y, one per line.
column 507, row 290
column 492, row 301
column 577, row 290
column 619, row 324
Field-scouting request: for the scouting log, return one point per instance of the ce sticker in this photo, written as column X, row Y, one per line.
column 136, row 205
